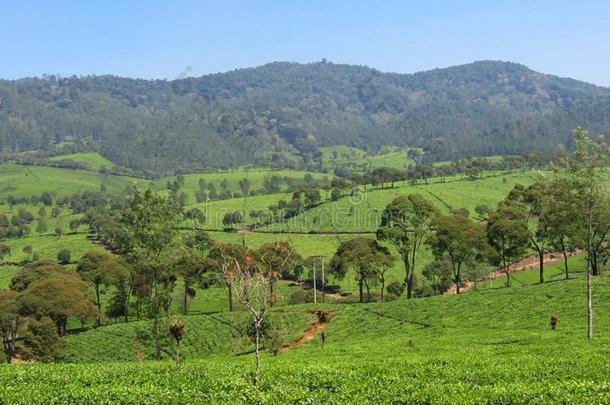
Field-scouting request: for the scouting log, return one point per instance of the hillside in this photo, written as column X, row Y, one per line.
column 240, row 117
column 487, row 346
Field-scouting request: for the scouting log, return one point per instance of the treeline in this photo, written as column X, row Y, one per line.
column 254, row 116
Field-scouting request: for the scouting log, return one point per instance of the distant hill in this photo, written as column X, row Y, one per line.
column 234, row 118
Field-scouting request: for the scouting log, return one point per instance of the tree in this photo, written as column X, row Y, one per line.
column 41, row 226
column 244, row 186
column 177, row 329
column 365, row 256
column 458, row 239
column 277, row 259
column 41, row 340
column 508, row 234
column 535, row 202
column 95, row 268
column 232, row 218
column 191, row 268
column 222, row 259
column 150, row 222
column 58, row 232
column 439, row 274
column 482, row 211
column 252, row 277
column 59, row 295
column 5, row 251
column 560, row 214
column 406, row 223
column 10, row 322
column 46, row 199
column 587, row 175
column 63, row 256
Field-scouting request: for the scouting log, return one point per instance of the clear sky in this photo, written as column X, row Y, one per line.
column 166, row 39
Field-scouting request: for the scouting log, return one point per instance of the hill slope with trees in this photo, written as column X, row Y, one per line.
column 235, row 118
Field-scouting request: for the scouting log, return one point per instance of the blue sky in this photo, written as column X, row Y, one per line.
column 164, row 39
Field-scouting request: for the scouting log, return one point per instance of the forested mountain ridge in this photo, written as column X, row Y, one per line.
column 233, row 118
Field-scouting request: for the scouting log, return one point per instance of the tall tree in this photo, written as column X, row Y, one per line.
column 587, row 175
column 559, row 217
column 151, row 223
column 364, row 256
column 535, row 201
column 458, row 239
column 406, row 224
column 93, row 268
column 10, row 322
column 508, row 234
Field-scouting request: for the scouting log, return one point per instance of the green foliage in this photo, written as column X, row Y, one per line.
column 484, row 108
column 63, row 256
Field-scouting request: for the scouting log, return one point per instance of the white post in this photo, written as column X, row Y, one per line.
column 315, row 300
column 323, row 281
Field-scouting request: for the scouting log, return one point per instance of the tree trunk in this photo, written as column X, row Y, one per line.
column 185, row 300
column 458, row 277
column 271, row 292
column 178, row 351
column 360, row 289
column 541, row 264
column 258, row 354
column 594, row 267
column 589, row 277
column 410, row 285
column 157, row 325
column 565, row 258
column 230, row 292
column 589, row 303
column 98, row 302
column 126, row 304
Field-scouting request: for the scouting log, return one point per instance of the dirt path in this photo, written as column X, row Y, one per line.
column 530, row 262
column 308, row 335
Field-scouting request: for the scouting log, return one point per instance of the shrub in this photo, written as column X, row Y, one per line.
column 395, row 288
column 63, row 257
column 303, row 296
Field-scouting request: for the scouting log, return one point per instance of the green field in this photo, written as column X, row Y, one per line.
column 358, row 159
column 254, row 176
column 47, row 247
column 362, row 212
column 93, row 160
column 27, row 181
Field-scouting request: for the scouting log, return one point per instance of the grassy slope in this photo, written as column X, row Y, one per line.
column 486, row 346
column 48, row 246
column 362, row 213
column 93, row 160
column 26, row 181
column 254, row 176
column 213, row 334
column 6, row 274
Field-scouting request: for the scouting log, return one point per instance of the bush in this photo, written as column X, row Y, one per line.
column 395, row 288
column 63, row 257
column 303, row 297
column 41, row 340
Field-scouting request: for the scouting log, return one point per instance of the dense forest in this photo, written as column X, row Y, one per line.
column 239, row 117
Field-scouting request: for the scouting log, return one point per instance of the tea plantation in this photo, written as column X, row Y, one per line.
column 481, row 347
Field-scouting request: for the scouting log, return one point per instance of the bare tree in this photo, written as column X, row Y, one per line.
column 251, row 280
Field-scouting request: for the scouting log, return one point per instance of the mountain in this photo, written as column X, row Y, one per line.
column 234, row 118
